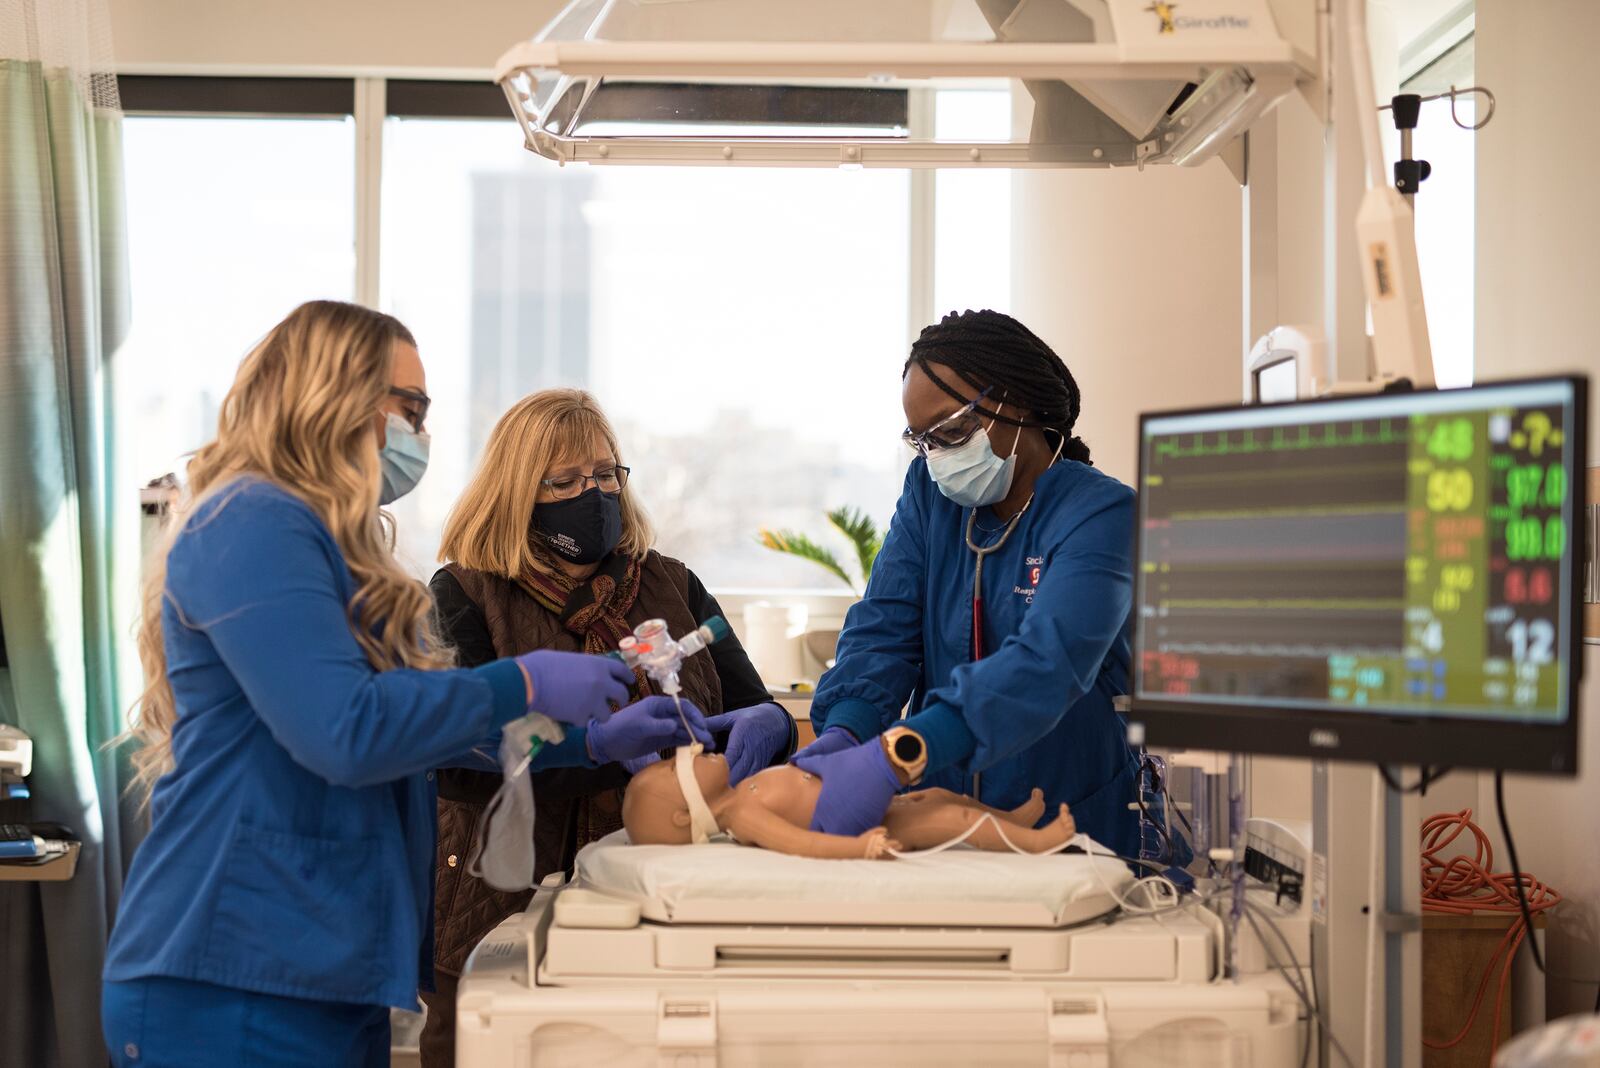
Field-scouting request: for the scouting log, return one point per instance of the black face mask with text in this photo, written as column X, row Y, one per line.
column 584, row 529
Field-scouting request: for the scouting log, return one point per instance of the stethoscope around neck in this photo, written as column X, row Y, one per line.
column 980, row 552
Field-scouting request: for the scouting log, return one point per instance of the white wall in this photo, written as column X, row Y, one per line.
column 1134, row 279
column 1538, row 223
column 158, row 36
column 1538, row 216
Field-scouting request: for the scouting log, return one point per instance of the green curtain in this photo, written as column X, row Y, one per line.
column 63, row 312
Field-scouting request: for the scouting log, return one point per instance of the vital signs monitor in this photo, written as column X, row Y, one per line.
column 1389, row 577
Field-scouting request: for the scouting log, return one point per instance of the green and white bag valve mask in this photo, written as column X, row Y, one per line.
column 502, row 844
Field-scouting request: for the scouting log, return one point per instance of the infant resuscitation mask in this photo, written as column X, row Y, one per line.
column 652, row 648
column 502, row 849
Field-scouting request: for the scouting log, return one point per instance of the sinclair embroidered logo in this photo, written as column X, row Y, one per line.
column 1171, row 22
column 1033, row 572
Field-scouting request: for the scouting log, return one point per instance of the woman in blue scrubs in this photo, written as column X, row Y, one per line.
column 998, row 610
column 297, row 698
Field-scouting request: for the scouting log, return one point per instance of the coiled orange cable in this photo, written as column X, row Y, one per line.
column 1464, row 885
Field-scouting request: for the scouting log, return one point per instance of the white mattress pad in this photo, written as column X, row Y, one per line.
column 723, row 883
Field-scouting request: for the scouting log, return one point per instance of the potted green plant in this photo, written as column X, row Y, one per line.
column 854, row 524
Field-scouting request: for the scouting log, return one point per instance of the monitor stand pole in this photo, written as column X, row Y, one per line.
column 1345, row 837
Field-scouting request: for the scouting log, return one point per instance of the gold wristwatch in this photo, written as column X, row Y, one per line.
column 907, row 752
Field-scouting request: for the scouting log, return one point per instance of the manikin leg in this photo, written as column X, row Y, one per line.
column 926, row 824
column 1024, row 815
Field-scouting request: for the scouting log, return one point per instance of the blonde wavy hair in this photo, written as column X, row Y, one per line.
column 489, row 528
column 300, row 415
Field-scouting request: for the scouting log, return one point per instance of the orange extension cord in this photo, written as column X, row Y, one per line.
column 1464, row 885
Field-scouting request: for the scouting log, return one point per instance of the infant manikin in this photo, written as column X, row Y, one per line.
column 775, row 809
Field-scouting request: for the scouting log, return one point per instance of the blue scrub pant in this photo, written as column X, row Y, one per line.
column 157, row 1022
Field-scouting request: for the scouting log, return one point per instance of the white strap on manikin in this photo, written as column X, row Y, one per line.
column 702, row 824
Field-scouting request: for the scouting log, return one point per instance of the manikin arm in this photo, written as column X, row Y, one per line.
column 757, row 825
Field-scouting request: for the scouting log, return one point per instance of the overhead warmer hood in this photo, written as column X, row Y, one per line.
column 850, row 82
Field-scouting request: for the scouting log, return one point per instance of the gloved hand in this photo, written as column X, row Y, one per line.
column 643, row 727
column 831, row 740
column 574, row 687
column 870, row 784
column 758, row 734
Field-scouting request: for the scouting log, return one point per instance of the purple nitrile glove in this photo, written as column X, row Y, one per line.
column 757, row 734
column 869, row 784
column 574, row 687
column 646, row 726
column 831, row 740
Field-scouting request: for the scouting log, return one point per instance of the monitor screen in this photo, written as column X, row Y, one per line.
column 1385, row 577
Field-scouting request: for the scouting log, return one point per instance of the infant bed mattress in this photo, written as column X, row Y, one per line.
column 726, row 883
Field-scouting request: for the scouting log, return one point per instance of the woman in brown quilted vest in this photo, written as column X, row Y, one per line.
column 549, row 549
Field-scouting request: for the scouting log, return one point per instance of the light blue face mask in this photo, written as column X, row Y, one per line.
column 403, row 459
column 971, row 474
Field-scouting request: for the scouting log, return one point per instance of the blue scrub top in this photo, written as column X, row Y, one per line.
column 1037, row 710
column 291, row 846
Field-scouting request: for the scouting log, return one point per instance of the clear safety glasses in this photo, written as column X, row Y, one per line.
column 951, row 432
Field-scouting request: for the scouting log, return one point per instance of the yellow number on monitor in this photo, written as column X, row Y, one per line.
column 1537, row 427
column 1450, row 490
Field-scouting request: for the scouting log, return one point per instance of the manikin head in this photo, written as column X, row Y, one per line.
column 654, row 810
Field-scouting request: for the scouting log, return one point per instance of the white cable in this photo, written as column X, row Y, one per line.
column 911, row 854
column 1169, row 890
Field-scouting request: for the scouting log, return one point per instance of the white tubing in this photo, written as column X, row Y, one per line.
column 1169, row 890
column 969, row 832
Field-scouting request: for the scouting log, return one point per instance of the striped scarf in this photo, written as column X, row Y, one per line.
column 596, row 609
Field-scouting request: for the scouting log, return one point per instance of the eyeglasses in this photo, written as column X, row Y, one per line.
column 606, row 480
column 414, row 406
column 951, row 432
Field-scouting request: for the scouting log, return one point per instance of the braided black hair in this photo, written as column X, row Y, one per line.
column 988, row 348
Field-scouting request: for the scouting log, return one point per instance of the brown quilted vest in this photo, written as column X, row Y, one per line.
column 464, row 908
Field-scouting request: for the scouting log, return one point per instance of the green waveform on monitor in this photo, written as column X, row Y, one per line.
column 1336, row 604
column 1280, row 474
column 1283, row 439
column 1286, row 512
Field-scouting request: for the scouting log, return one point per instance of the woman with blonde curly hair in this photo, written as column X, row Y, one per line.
column 297, row 696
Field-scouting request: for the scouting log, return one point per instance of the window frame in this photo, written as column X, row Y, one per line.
column 371, row 100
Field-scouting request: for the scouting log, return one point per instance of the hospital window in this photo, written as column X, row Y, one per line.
column 745, row 329
column 231, row 221
column 1443, row 57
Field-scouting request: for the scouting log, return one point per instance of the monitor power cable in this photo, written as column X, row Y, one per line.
column 1420, row 787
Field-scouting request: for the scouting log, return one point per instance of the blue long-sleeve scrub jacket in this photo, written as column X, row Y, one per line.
column 291, row 847
column 1037, row 710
